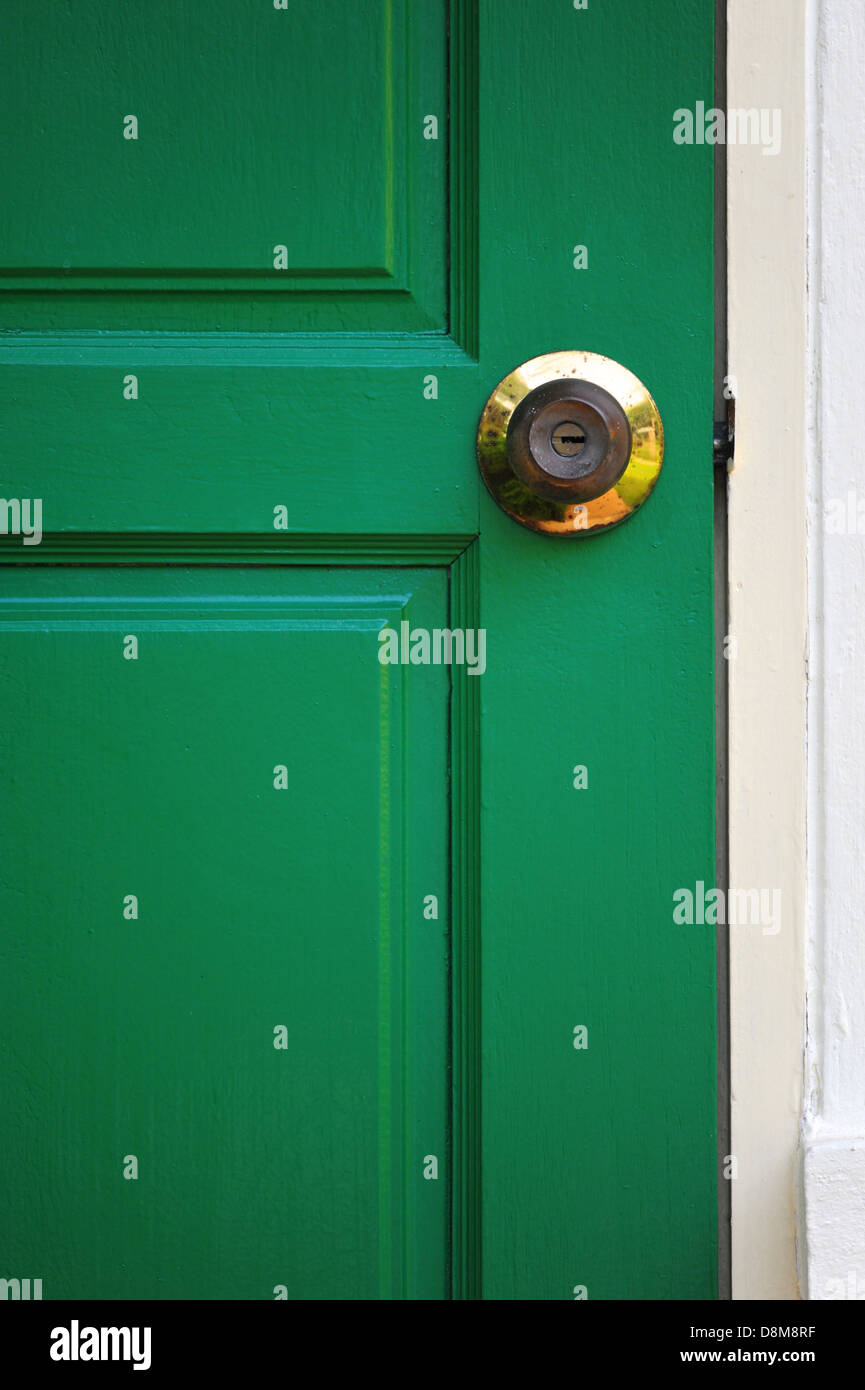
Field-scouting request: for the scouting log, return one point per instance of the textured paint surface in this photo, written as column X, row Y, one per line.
column 558, row 1167
column 254, row 130
column 599, row 1165
column 832, row 1221
column 258, row 908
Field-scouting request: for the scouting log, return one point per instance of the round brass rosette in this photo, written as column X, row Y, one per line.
column 570, row 444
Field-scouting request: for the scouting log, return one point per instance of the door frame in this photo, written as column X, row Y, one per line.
column 769, row 62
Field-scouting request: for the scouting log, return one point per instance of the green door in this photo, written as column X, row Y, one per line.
column 327, row 975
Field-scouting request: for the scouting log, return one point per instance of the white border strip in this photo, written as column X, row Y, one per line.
column 832, row 1215
column 768, row 354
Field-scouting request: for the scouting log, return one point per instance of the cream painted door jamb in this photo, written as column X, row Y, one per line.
column 768, row 65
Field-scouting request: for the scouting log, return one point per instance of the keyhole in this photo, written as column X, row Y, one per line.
column 568, row 438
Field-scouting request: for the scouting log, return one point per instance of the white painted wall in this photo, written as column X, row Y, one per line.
column 832, row 1212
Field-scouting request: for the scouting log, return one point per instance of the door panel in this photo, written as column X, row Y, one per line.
column 186, row 147
column 255, row 468
column 220, row 971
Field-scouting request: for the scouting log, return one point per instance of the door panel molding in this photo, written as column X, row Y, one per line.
column 189, row 548
column 464, row 581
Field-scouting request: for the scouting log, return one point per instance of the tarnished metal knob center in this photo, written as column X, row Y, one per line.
column 569, row 440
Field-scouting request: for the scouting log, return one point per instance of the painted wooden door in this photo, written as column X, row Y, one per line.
column 326, row 977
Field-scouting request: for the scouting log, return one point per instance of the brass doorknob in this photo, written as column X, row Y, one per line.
column 570, row 443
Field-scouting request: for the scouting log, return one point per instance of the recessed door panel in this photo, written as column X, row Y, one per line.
column 224, row 1008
